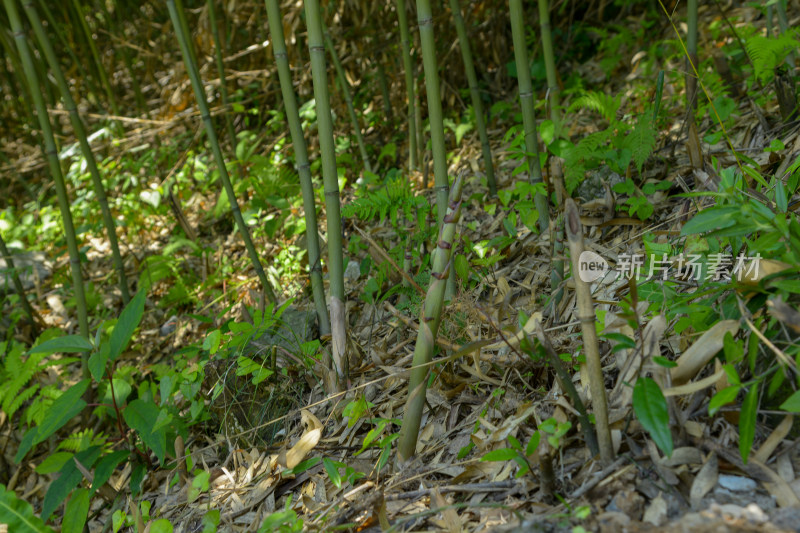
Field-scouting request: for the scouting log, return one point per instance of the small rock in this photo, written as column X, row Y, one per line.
column 352, row 271
column 736, row 483
column 31, row 267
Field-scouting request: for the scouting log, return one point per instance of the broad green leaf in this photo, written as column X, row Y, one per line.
column 723, row 397
column 106, row 466
column 792, row 403
column 333, row 472
column 17, row 514
column 62, row 411
column 651, row 410
column 141, row 416
column 65, row 344
column 69, row 478
column 711, row 219
column 76, row 512
column 502, row 454
column 54, row 462
column 747, row 422
column 128, row 321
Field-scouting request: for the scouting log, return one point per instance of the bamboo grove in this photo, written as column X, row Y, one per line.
column 63, row 67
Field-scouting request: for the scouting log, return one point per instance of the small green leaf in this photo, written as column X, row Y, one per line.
column 62, row 411
column 501, row 454
column 128, row 322
column 106, row 466
column 65, row 344
column 199, row 485
column 533, row 444
column 747, row 422
column 333, row 472
column 211, row 342
column 651, row 410
column 792, row 403
column 54, row 462
column 660, row 360
column 210, row 521
column 98, row 360
column 723, row 397
column 141, row 416
column 162, row 525
column 76, row 512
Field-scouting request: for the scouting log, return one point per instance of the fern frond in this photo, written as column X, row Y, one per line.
column 641, row 141
column 605, row 104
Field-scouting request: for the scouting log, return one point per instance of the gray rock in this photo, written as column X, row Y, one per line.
column 591, row 188
column 32, row 267
column 353, row 270
column 293, row 329
column 737, row 483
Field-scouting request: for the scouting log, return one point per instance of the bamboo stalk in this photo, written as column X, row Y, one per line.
column 51, row 154
column 101, row 71
column 691, row 47
column 301, row 158
column 316, row 46
column 591, row 349
column 408, row 71
column 528, row 117
column 34, row 317
column 200, row 97
column 86, row 150
column 435, row 117
column 550, row 64
column 223, row 87
column 429, row 326
column 475, row 95
column 348, row 98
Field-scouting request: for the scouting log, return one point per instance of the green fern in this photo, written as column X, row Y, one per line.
column 15, row 374
column 603, row 103
column 394, row 197
column 768, row 53
column 641, row 140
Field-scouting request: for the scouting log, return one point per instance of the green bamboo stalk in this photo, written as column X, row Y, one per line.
column 200, row 97
column 101, row 71
column 429, row 326
column 51, row 154
column 475, row 94
column 80, row 133
column 588, row 318
column 430, row 66
column 783, row 23
column 348, row 98
column 118, row 28
column 34, row 317
column 16, row 66
column 301, row 158
column 223, row 87
column 330, row 178
column 384, row 85
column 550, row 64
column 408, row 69
column 691, row 47
column 83, row 73
column 528, row 116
